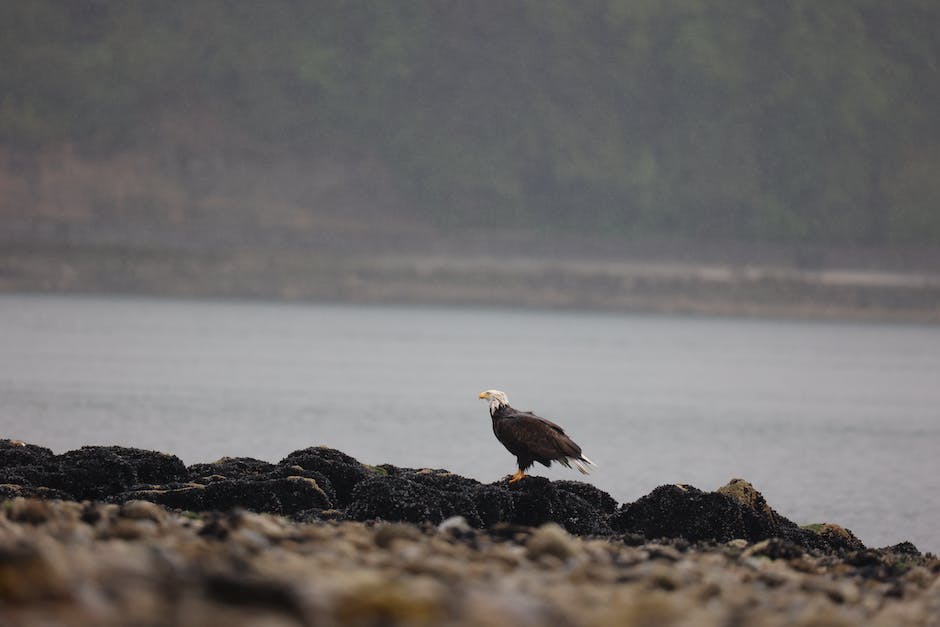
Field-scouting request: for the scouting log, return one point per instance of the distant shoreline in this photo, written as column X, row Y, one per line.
column 629, row 286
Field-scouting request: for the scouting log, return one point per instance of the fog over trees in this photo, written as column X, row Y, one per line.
column 770, row 120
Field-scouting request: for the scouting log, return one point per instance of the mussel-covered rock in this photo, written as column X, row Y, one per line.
column 343, row 471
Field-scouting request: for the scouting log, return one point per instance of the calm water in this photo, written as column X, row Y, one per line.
column 832, row 422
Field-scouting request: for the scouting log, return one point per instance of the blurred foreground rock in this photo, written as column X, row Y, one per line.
column 68, row 563
column 115, row 536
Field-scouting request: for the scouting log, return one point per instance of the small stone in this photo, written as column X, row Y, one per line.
column 131, row 529
column 386, row 534
column 738, row 543
column 663, row 552
column 28, row 510
column 634, row 539
column 774, row 548
column 551, row 539
column 249, row 539
column 455, row 524
column 919, row 576
column 331, row 514
column 263, row 524
column 663, row 579
column 142, row 510
column 91, row 513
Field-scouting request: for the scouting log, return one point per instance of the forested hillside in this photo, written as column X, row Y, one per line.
column 777, row 120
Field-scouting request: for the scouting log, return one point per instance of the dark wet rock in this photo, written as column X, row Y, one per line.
column 590, row 493
column 229, row 468
column 395, row 499
column 10, row 491
column 299, row 494
column 189, row 498
column 674, row 511
column 745, row 494
column 735, row 511
column 305, row 483
column 321, row 480
column 537, row 501
column 829, row 537
column 442, row 480
column 150, row 467
column 494, row 504
column 313, row 515
column 776, row 548
column 15, row 453
column 286, row 496
column 886, row 564
column 24, row 476
column 258, row 486
column 321, row 483
column 533, row 501
column 24, row 466
column 903, row 548
column 867, row 558
column 343, row 471
column 415, row 497
column 262, row 488
column 93, row 472
column 432, row 495
column 455, row 495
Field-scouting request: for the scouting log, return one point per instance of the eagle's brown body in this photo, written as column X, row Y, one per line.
column 532, row 438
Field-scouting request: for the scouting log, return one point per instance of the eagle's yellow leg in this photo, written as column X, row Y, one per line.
column 516, row 477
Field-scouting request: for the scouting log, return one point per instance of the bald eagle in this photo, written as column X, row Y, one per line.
column 531, row 438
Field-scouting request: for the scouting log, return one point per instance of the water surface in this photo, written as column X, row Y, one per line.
column 832, row 422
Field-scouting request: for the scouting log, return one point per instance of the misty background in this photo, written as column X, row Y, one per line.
column 375, row 151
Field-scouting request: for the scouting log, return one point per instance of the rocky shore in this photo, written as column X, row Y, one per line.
column 120, row 536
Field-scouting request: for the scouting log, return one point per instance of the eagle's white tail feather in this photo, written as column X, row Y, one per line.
column 584, row 470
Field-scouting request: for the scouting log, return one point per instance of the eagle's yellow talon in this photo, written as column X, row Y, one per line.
column 516, row 477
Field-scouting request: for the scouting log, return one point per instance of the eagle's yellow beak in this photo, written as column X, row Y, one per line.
column 482, row 395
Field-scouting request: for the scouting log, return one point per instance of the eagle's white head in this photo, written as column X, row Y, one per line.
column 496, row 398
